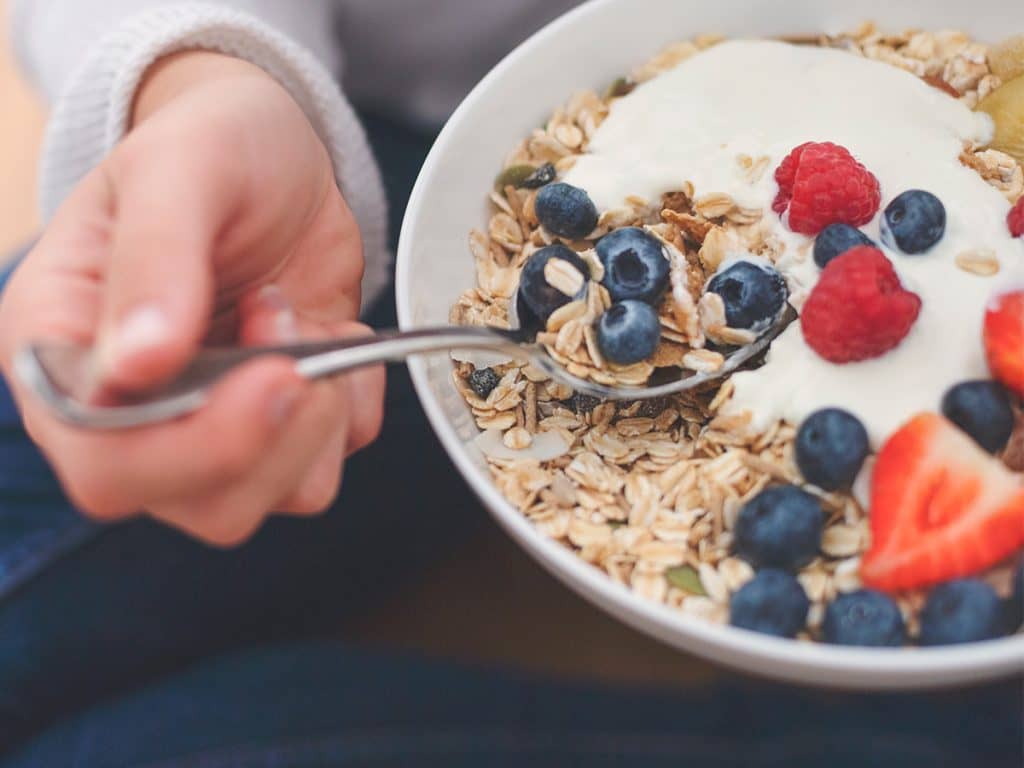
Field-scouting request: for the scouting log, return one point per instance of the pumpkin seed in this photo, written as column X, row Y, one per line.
column 514, row 175
column 685, row 578
column 621, row 87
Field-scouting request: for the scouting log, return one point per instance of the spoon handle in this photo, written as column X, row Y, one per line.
column 61, row 374
column 317, row 359
column 313, row 360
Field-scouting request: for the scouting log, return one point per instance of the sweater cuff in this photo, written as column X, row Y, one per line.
column 92, row 114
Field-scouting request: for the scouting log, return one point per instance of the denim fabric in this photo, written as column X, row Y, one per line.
column 327, row 705
column 36, row 525
column 139, row 600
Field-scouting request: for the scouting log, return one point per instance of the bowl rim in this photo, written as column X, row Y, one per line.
column 813, row 663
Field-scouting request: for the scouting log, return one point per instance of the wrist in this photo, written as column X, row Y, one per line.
column 175, row 74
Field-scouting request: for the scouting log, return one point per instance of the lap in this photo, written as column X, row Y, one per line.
column 87, row 611
column 328, row 705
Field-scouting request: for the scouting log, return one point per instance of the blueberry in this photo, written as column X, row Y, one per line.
column 754, row 294
column 653, row 407
column 835, row 240
column 773, row 602
column 527, row 319
column 779, row 528
column 537, row 294
column 914, row 222
column 982, row 410
column 1015, row 602
column 582, row 404
column 483, row 381
column 566, row 211
column 635, row 266
column 628, row 332
column 962, row 611
column 866, row 618
column 830, row 448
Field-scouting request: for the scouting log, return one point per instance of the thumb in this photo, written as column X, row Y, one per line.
column 159, row 288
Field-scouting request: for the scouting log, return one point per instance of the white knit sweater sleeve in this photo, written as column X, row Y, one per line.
column 89, row 56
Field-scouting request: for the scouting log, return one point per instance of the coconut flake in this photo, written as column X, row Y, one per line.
column 480, row 358
column 862, row 484
column 545, row 446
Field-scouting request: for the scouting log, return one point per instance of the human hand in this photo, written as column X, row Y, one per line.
column 216, row 219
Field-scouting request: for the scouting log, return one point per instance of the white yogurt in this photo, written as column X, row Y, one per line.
column 765, row 98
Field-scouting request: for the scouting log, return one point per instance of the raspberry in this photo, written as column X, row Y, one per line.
column 1015, row 219
column 823, row 184
column 785, row 175
column 859, row 309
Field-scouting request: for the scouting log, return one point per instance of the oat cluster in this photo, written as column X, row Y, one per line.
column 649, row 491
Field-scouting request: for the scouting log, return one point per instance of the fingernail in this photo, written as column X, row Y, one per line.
column 283, row 406
column 139, row 331
column 273, row 299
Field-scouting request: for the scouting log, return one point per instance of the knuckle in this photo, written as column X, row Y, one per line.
column 368, row 419
column 95, row 497
column 225, row 537
column 307, row 506
column 366, row 432
column 314, row 497
column 213, row 521
column 227, row 529
column 232, row 461
column 376, row 421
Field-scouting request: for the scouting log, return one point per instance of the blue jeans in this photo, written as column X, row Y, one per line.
column 132, row 645
column 89, row 611
column 313, row 705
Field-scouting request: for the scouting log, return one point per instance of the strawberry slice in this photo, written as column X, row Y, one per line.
column 940, row 508
column 1004, row 339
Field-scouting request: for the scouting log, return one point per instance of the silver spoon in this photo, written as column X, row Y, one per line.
column 59, row 374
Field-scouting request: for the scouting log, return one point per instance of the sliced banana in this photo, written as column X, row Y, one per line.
column 1007, row 58
column 1006, row 107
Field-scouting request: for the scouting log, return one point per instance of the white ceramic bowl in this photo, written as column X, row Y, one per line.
column 590, row 47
